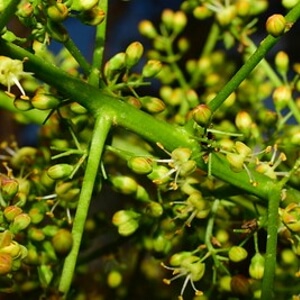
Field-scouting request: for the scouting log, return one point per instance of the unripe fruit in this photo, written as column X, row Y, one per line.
column 276, row 25
column 62, row 241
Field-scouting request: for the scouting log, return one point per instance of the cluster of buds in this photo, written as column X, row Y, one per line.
column 188, row 265
column 127, row 221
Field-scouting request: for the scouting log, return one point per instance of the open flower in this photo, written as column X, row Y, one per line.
column 11, row 71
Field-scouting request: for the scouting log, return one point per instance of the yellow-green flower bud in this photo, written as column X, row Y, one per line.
column 147, row 29
column 276, row 25
column 13, row 249
column 243, row 121
column 19, row 223
column 5, row 263
column 81, row 5
column 36, row 215
column 124, row 216
column 125, row 184
column 242, row 149
column 181, row 154
column 93, row 16
column 62, row 242
column 237, row 253
column 202, row 12
column 114, row 279
column 236, row 161
column 23, row 156
column 152, row 104
column 282, row 62
column 35, row 234
column 25, row 9
column 177, row 258
column 179, row 21
column 60, row 171
column 159, row 175
column 290, row 216
column 140, row 165
column 257, row 266
column 57, row 12
column 187, row 168
column 226, row 15
column 202, row 115
column 128, row 228
column 23, row 103
column 9, row 188
column 161, row 244
column 133, row 54
column 167, row 18
column 154, row 209
column 288, row 4
column 281, row 96
column 5, row 238
column 10, row 212
column 183, row 44
column 152, row 68
column 243, row 7
column 44, row 101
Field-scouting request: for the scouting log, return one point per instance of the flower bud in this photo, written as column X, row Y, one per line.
column 290, row 216
column 179, row 21
column 237, row 253
column 243, row 7
column 128, row 228
column 62, row 241
column 243, row 121
column 152, row 68
column 81, row 5
column 19, row 223
column 35, row 234
column 8, row 188
column 177, row 258
column 5, row 263
column 226, row 15
column 36, row 215
column 282, row 62
column 187, row 168
column 159, row 175
column 93, row 16
column 161, row 244
column 60, row 171
column 181, row 154
column 5, row 238
column 44, row 101
column 281, row 96
column 276, row 25
column 202, row 12
column 257, row 266
column 11, row 212
column 125, row 184
column 242, row 149
column 24, row 155
column 154, row 209
column 236, row 161
column 114, row 279
column 124, row 216
column 202, row 115
column 183, row 44
column 288, row 4
column 23, row 104
column 13, row 249
column 147, row 29
column 152, row 104
column 167, row 18
column 140, row 165
column 57, row 12
column 133, row 54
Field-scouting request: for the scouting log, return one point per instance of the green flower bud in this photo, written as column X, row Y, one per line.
column 187, row 168
column 183, row 44
column 140, row 165
column 179, row 21
column 125, row 184
column 243, row 121
column 237, row 253
column 202, row 12
column 288, row 256
column 281, row 96
column 8, row 187
column 25, row 9
column 81, row 5
column 147, row 29
column 45, row 275
column 257, row 266
column 114, row 279
column 181, row 155
column 288, row 4
column 161, row 244
column 282, row 62
column 44, row 101
column 13, row 249
column 36, row 234
column 133, row 54
column 159, row 175
column 242, row 149
column 276, row 25
column 259, row 6
column 154, row 209
column 224, row 283
column 167, row 18
column 202, row 115
column 5, row 263
column 19, row 223
column 62, row 242
column 243, row 7
column 57, row 12
column 11, row 212
column 124, row 216
column 290, row 216
column 128, row 228
column 60, row 171
column 152, row 104
column 23, row 103
column 93, row 16
column 226, row 15
column 32, row 257
column 152, row 68
column 177, row 258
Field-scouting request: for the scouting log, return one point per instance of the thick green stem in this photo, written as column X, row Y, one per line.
column 265, row 46
column 272, row 230
column 103, row 125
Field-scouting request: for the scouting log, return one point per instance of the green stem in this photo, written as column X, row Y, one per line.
column 102, row 125
column 8, row 12
column 75, row 52
column 97, row 62
column 251, row 63
column 211, row 40
column 271, row 249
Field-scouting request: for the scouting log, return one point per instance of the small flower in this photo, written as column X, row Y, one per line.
column 11, row 71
